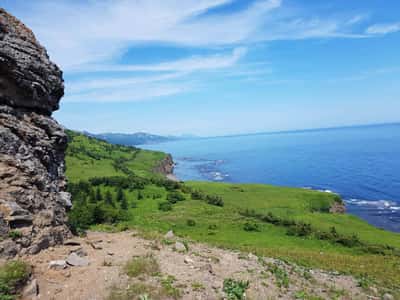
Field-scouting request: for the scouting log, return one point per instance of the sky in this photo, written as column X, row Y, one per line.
column 216, row 67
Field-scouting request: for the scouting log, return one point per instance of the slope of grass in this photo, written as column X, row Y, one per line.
column 89, row 157
column 372, row 253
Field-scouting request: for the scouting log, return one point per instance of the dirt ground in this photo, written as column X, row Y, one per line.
column 197, row 273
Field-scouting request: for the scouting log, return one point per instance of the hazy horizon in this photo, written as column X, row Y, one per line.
column 250, row 133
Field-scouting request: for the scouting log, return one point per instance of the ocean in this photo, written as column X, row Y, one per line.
column 362, row 164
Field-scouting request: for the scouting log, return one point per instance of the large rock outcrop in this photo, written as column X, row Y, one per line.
column 33, row 197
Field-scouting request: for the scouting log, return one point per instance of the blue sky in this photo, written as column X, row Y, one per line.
column 214, row 67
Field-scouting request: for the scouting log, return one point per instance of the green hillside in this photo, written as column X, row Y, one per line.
column 89, row 157
column 114, row 187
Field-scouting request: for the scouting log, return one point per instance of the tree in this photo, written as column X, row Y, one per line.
column 109, row 199
column 140, row 196
column 120, row 195
column 99, row 196
column 92, row 196
column 124, row 203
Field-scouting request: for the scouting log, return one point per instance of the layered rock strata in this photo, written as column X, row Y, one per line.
column 33, row 197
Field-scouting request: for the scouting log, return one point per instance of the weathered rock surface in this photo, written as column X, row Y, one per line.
column 27, row 76
column 33, row 197
column 166, row 166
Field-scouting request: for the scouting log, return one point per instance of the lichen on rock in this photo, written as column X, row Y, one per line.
column 33, row 197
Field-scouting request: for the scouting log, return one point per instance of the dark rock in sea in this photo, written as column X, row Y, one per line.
column 33, row 197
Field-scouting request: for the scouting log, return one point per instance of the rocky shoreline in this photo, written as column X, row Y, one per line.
column 166, row 168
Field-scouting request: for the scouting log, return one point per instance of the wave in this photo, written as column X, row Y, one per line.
column 377, row 204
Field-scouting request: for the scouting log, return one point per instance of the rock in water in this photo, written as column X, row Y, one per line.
column 33, row 197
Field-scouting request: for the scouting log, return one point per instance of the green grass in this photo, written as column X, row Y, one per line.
column 225, row 225
column 89, row 157
column 146, row 265
column 13, row 275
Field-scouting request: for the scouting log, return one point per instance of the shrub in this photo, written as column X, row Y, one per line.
column 197, row 195
column 13, row 276
column 174, row 197
column 191, row 222
column 214, row 200
column 146, row 265
column 281, row 275
column 300, row 229
column 251, row 226
column 164, row 206
column 212, row 226
column 235, row 290
column 14, row 234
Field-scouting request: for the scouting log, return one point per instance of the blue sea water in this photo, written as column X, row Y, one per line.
column 362, row 164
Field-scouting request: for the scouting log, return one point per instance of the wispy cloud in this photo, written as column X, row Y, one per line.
column 78, row 33
column 90, row 37
column 191, row 64
column 379, row 29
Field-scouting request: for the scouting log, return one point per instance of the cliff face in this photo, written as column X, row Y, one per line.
column 166, row 166
column 33, row 200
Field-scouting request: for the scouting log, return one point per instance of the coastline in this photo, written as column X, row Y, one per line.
column 166, row 168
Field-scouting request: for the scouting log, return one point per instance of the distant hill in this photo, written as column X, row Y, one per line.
column 132, row 139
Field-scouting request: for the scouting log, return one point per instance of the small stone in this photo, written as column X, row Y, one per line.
column 169, row 235
column 251, row 256
column 58, row 265
column 208, row 268
column 188, row 260
column 74, row 260
column 373, row 290
column 110, row 253
column 31, row 290
column 80, row 252
column 95, row 246
column 387, row 296
column 180, row 247
column 72, row 242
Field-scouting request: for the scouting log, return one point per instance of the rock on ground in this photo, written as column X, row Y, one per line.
column 197, row 274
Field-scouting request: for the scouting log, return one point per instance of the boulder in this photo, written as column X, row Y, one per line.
column 75, row 260
column 180, row 247
column 58, row 264
column 33, row 197
column 169, row 235
column 387, row 296
column 28, row 79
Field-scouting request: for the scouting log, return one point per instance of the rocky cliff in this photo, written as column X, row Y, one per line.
column 166, row 166
column 33, row 200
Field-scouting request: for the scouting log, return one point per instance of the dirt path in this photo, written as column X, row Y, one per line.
column 198, row 273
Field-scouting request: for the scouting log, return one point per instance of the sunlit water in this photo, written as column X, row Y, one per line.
column 362, row 164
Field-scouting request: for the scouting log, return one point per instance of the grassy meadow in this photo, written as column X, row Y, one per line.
column 115, row 188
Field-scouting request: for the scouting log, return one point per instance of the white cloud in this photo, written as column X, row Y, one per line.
column 191, row 64
column 135, row 92
column 91, row 36
column 79, row 33
column 379, row 29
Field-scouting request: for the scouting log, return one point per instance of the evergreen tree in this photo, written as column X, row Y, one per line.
column 92, row 196
column 99, row 196
column 120, row 195
column 124, row 203
column 109, row 199
column 140, row 196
